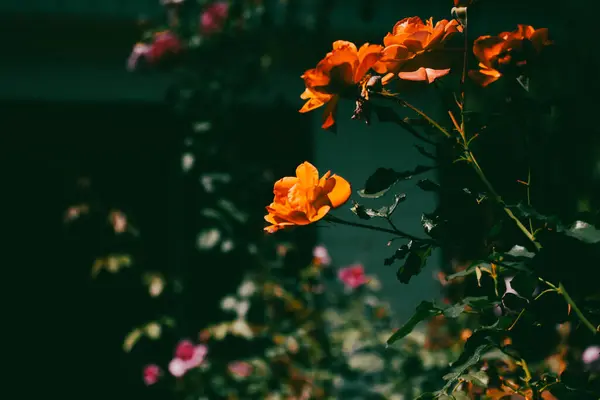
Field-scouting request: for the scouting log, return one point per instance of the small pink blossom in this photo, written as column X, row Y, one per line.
column 152, row 373
column 240, row 369
column 185, row 350
column 164, row 44
column 119, row 221
column 321, row 256
column 187, row 356
column 353, row 276
column 591, row 355
column 213, row 18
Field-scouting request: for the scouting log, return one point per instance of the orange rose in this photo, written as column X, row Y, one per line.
column 304, row 198
column 411, row 38
column 505, row 52
column 338, row 74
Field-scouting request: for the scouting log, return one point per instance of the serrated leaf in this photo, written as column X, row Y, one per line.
column 424, row 152
column 585, row 232
column 379, row 183
column 428, row 185
column 520, row 252
column 384, row 178
column 454, row 310
column 524, row 284
column 414, row 263
column 460, row 396
column 400, row 254
column 382, row 212
column 478, row 378
column 425, row 310
column 526, row 211
column 473, row 359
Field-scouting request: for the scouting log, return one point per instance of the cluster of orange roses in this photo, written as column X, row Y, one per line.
column 410, row 52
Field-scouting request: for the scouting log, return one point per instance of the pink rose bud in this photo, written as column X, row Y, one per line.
column 152, row 373
column 353, row 276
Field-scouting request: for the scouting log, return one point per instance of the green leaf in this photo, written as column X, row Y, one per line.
column 524, row 284
column 480, row 303
column 415, row 261
column 460, row 396
column 387, row 114
column 423, row 311
column 514, row 302
column 473, row 359
column 384, row 178
column 470, row 270
column 428, row 185
column 526, row 211
column 424, row 152
column 379, row 183
column 478, row 378
column 400, row 254
column 585, row 232
column 383, row 212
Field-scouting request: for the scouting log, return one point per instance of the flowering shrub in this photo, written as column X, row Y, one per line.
column 520, row 314
column 284, row 354
column 530, row 324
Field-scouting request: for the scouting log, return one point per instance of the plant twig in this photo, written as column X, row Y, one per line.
column 574, row 306
column 394, row 231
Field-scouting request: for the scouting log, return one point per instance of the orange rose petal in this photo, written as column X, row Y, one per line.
column 484, row 79
column 424, row 74
column 338, row 190
column 308, row 175
column 329, row 113
column 387, row 78
column 321, row 212
column 486, row 47
column 343, row 44
column 368, row 55
column 312, row 104
column 282, row 186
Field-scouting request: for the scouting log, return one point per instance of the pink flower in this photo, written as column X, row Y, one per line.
column 240, row 369
column 119, row 221
column 321, row 256
column 151, row 374
column 187, row 356
column 185, row 350
column 165, row 43
column 139, row 52
column 213, row 18
column 353, row 276
column 591, row 356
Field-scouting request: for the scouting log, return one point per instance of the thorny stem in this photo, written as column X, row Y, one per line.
column 422, row 114
column 529, row 197
column 497, row 197
column 394, row 231
column 582, row 317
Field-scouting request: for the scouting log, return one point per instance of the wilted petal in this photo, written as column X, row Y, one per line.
column 424, row 74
